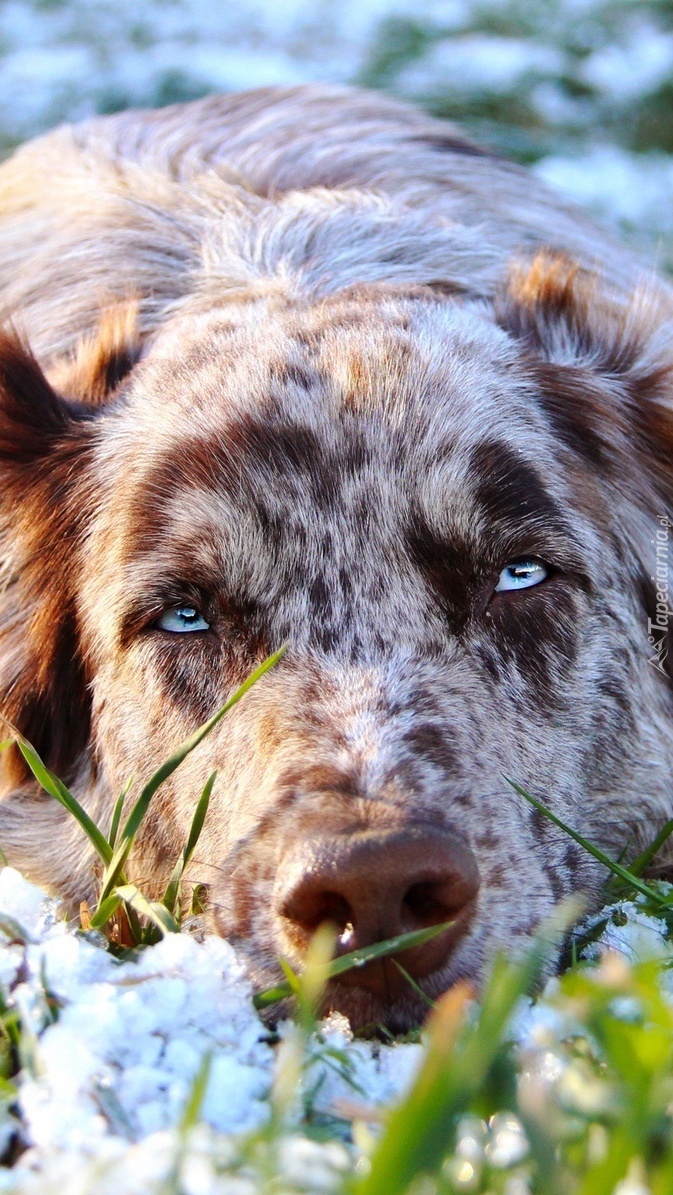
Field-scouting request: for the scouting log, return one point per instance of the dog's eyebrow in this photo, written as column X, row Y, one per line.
column 509, row 490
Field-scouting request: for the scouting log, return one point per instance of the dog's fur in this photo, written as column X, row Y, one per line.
column 316, row 364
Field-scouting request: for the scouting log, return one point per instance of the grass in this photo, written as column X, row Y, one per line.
column 114, row 848
column 586, row 1109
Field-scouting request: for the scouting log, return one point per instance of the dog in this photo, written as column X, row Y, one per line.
column 308, row 367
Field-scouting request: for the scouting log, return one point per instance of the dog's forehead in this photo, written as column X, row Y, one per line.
column 332, row 450
column 417, row 381
column 347, row 423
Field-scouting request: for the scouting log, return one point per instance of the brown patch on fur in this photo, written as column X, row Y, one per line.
column 548, row 283
column 576, row 407
column 33, row 416
column 559, row 311
column 449, row 568
column 510, row 491
column 652, row 414
column 101, row 362
column 458, row 145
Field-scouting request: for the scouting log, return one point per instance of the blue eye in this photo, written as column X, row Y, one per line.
column 521, row 574
column 182, row 618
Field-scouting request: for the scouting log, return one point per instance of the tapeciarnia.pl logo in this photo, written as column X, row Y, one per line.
column 657, row 627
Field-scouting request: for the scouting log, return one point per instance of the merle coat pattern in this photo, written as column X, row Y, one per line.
column 306, row 366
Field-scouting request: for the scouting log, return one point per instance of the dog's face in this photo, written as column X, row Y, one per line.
column 447, row 521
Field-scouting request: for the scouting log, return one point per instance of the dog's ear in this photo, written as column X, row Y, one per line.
column 102, row 361
column 603, row 363
column 45, row 500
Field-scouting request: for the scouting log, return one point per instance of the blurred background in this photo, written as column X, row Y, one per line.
column 581, row 90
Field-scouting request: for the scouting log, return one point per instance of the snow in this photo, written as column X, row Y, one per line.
column 105, row 1092
column 104, row 1087
column 140, row 1031
column 32, row 911
column 640, row 939
column 626, row 71
column 625, row 188
column 473, row 62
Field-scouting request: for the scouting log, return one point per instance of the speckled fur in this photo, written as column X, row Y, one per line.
column 349, row 367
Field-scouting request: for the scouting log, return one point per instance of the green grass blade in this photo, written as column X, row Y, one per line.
column 152, row 909
column 55, row 788
column 117, row 813
column 199, row 818
column 356, row 958
column 172, row 894
column 461, row 1052
column 13, row 929
column 141, row 806
column 192, row 1111
column 291, row 976
column 616, row 868
column 104, row 912
column 270, row 996
column 643, row 860
column 369, row 954
column 173, row 762
column 415, row 987
column 115, row 869
column 419, row 1134
column 7, row 743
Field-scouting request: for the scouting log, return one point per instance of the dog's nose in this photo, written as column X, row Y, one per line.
column 374, row 886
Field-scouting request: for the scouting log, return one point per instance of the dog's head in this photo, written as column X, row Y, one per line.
column 454, row 521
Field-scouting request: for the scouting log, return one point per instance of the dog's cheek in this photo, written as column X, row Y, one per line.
column 140, row 714
column 151, row 696
column 535, row 640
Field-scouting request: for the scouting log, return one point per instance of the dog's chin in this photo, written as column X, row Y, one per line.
column 378, row 1003
column 367, row 1015
column 371, row 1015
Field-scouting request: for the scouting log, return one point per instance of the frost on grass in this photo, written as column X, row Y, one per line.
column 110, row 1052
